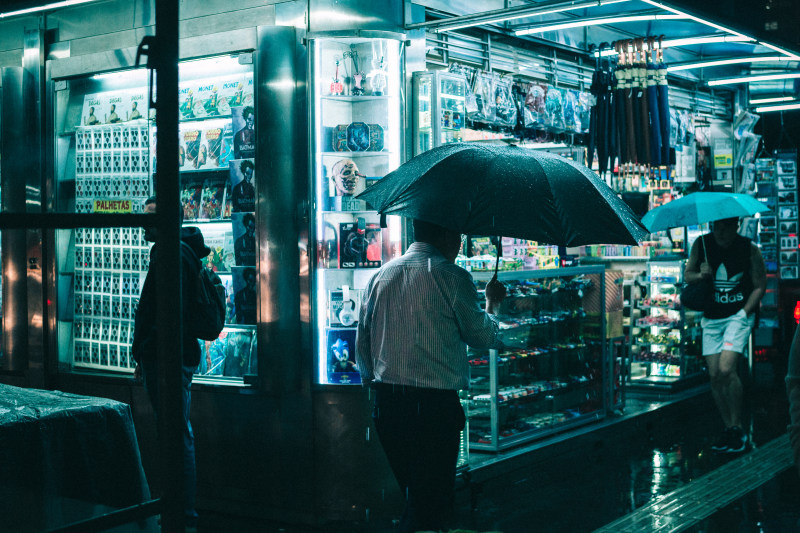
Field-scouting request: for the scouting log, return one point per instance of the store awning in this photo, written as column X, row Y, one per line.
column 697, row 48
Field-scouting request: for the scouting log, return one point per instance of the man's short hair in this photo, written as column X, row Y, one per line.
column 428, row 232
column 248, row 111
column 151, row 200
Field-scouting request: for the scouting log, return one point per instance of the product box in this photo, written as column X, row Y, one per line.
column 359, row 244
column 341, row 356
column 343, row 307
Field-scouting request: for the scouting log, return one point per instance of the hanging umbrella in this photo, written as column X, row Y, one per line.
column 643, row 135
column 701, row 207
column 653, row 104
column 631, row 105
column 663, row 104
column 620, row 104
column 507, row 190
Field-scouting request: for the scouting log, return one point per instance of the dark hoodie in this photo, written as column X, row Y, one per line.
column 145, row 334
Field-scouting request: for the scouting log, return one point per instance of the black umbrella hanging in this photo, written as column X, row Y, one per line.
column 663, row 104
column 654, row 129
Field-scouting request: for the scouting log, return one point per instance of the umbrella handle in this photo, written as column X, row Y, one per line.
column 499, row 254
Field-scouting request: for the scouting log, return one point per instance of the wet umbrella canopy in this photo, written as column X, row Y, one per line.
column 509, row 191
column 701, row 207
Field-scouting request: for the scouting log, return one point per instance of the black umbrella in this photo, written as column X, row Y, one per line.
column 509, row 191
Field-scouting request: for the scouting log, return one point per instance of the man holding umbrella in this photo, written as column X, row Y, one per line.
column 737, row 269
column 418, row 314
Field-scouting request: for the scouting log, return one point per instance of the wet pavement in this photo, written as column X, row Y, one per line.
column 608, row 471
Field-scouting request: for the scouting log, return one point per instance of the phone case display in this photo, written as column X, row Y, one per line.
column 552, row 372
column 666, row 337
column 787, row 243
column 357, row 139
column 112, row 175
column 440, row 113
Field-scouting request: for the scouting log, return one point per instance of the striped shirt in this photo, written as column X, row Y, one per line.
column 418, row 314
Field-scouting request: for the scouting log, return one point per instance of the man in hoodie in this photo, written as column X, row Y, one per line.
column 145, row 345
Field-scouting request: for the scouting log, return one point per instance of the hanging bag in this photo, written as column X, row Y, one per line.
column 697, row 296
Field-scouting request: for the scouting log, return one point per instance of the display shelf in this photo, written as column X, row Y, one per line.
column 382, row 153
column 664, row 355
column 552, row 373
column 343, row 98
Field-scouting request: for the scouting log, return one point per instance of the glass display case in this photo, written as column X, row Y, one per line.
column 440, row 112
column 552, row 373
column 105, row 151
column 357, row 139
column 666, row 337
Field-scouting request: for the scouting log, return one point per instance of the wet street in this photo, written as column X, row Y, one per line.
column 595, row 479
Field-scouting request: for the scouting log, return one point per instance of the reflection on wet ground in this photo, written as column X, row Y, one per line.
column 604, row 477
column 585, row 482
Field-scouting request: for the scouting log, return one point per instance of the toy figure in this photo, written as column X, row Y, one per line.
column 346, row 177
column 340, row 351
column 187, row 107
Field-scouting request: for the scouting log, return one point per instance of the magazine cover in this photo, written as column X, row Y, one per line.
column 94, row 109
column 359, row 244
column 220, row 240
column 212, row 139
column 245, row 296
column 226, row 204
column 243, row 193
column 189, row 153
column 191, row 195
column 343, row 307
column 137, row 105
column 116, row 113
column 244, row 137
column 244, row 238
column 212, row 355
column 227, row 283
column 238, row 351
column 341, row 347
column 213, row 197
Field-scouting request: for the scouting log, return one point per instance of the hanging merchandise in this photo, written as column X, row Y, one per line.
column 583, row 111
column 644, row 122
column 534, row 110
column 663, row 104
column 744, row 123
column 506, row 109
column 484, row 91
column 620, row 103
column 598, row 135
column 631, row 107
column 674, row 126
column 654, row 127
column 554, row 105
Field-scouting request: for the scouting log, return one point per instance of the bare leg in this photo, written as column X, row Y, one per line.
column 726, row 387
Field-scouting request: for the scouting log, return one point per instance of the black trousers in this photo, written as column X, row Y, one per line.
column 419, row 430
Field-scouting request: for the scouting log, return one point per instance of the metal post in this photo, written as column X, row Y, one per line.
column 168, row 267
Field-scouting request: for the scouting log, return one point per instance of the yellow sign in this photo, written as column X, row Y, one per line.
column 113, row 206
column 723, row 160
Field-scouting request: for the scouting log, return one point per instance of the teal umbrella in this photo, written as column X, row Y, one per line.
column 701, row 207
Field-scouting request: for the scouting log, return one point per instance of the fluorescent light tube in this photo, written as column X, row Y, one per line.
column 46, row 7
column 772, row 100
column 749, row 79
column 597, row 22
column 720, row 62
column 785, row 107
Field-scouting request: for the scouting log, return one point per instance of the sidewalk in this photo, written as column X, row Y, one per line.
column 590, row 478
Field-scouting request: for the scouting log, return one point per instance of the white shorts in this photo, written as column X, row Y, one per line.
column 730, row 333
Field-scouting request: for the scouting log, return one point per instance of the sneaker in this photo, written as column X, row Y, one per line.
column 737, row 440
column 722, row 442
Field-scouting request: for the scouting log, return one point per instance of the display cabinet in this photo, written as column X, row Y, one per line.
column 439, row 108
column 666, row 337
column 357, row 100
column 552, row 372
column 105, row 149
